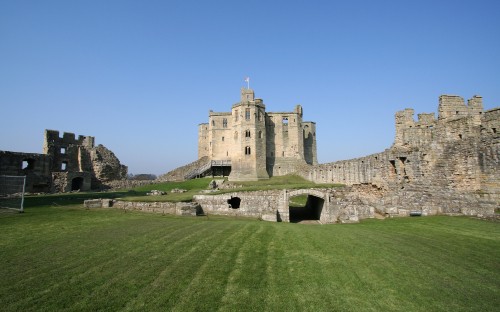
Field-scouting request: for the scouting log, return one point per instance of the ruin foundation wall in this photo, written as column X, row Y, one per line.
column 445, row 165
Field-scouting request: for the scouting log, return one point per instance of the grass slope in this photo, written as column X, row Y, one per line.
column 195, row 186
column 68, row 258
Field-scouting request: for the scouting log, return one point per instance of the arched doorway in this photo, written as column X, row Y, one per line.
column 76, row 184
column 305, row 207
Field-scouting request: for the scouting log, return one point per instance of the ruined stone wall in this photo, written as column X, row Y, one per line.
column 105, row 165
column 263, row 204
column 75, row 156
column 36, row 168
column 310, row 151
column 181, row 209
column 67, row 163
column 63, row 182
column 449, row 165
column 338, row 205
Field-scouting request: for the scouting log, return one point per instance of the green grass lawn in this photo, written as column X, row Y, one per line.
column 67, row 258
column 195, row 186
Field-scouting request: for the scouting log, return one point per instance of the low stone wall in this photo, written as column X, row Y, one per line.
column 338, row 205
column 126, row 184
column 265, row 205
column 181, row 209
column 335, row 205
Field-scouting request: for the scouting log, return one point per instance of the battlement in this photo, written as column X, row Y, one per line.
column 52, row 138
column 247, row 95
column 455, row 121
column 453, row 106
column 258, row 143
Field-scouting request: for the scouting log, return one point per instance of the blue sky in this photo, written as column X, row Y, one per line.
column 141, row 75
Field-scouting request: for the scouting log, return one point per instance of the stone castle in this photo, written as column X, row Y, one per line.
column 444, row 165
column 256, row 144
column 66, row 164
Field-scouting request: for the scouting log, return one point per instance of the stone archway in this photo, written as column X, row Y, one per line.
column 310, row 210
column 76, row 184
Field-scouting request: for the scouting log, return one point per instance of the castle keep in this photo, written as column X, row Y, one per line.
column 445, row 165
column 67, row 164
column 257, row 144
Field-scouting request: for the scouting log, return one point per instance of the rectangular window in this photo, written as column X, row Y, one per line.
column 63, row 150
column 235, row 115
column 247, row 113
column 224, row 123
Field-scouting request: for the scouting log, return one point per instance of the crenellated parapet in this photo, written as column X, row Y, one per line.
column 259, row 144
column 451, row 161
column 67, row 164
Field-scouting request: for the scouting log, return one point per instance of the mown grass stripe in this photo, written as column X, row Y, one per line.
column 73, row 259
column 165, row 289
column 248, row 277
column 210, row 279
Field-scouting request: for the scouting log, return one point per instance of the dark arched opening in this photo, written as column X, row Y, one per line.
column 234, row 202
column 305, row 207
column 76, row 184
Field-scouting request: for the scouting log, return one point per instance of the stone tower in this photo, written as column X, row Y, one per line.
column 248, row 159
column 256, row 144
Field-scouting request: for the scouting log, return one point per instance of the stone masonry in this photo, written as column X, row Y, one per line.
column 257, row 143
column 67, row 164
column 444, row 165
column 448, row 165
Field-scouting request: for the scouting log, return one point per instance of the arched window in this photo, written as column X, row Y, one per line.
column 247, row 133
column 260, row 134
column 213, row 123
column 224, row 123
column 247, row 150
